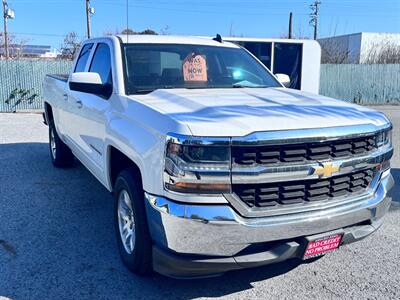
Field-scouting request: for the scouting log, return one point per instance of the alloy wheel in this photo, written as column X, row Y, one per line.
column 126, row 221
column 53, row 146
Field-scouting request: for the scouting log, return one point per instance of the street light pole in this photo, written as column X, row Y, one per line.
column 5, row 29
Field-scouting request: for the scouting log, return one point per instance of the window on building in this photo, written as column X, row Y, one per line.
column 288, row 60
column 261, row 50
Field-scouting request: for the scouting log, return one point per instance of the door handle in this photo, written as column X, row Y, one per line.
column 79, row 103
column 65, row 97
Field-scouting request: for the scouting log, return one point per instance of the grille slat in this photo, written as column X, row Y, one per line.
column 339, row 147
column 323, row 149
column 292, row 201
column 302, row 152
column 269, row 197
column 297, row 194
column 268, row 204
column 321, row 191
column 303, row 191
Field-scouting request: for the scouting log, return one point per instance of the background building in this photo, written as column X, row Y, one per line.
column 361, row 48
column 30, row 51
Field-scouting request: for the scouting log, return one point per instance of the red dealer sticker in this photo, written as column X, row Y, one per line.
column 322, row 246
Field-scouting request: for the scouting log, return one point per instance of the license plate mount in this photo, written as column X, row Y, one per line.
column 321, row 246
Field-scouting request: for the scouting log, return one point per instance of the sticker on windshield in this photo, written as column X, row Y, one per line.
column 195, row 68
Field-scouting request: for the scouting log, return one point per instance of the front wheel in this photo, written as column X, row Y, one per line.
column 133, row 236
column 61, row 155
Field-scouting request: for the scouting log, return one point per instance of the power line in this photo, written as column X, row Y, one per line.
column 41, row 34
column 247, row 7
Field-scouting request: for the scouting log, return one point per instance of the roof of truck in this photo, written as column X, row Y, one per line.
column 171, row 39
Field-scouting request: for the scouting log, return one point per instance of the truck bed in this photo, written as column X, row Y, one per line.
column 62, row 77
column 53, row 90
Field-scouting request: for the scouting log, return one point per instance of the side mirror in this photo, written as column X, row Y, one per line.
column 283, row 78
column 88, row 82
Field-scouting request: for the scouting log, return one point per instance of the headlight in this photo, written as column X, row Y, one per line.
column 200, row 169
column 384, row 138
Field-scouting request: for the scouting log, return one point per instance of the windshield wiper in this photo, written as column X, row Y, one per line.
column 247, row 85
column 146, row 91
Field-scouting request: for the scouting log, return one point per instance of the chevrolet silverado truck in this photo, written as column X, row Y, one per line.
column 215, row 165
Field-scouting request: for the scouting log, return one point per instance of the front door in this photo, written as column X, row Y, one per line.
column 88, row 123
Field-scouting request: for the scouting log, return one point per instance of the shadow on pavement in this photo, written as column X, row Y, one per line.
column 59, row 223
column 67, row 243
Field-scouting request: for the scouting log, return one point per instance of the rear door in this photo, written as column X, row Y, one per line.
column 89, row 120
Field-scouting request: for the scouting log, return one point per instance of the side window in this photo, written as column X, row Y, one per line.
column 101, row 63
column 83, row 58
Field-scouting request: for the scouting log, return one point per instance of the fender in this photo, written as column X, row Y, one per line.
column 142, row 146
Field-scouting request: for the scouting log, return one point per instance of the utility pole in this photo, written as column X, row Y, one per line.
column 7, row 14
column 314, row 17
column 89, row 13
column 290, row 25
column 5, row 29
column 88, row 18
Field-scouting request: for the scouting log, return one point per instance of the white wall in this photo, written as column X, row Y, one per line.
column 375, row 42
column 359, row 45
column 341, row 46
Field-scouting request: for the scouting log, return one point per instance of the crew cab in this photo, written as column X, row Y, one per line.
column 215, row 165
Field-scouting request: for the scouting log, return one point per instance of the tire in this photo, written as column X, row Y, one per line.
column 61, row 155
column 138, row 258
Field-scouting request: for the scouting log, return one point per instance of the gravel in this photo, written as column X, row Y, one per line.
column 57, row 239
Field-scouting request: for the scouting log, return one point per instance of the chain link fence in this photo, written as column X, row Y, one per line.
column 21, row 83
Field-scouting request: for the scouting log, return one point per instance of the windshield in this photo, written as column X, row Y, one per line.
column 153, row 66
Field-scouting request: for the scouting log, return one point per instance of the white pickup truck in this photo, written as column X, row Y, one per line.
column 215, row 165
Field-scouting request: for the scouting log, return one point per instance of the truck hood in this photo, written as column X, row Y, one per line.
column 238, row 112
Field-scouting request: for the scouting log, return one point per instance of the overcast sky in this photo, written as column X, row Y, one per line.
column 47, row 21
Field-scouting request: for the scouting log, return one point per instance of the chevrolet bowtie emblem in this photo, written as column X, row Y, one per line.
column 326, row 170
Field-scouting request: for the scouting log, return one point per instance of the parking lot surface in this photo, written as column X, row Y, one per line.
column 57, row 239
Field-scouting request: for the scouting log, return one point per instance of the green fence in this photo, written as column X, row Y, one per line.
column 21, row 83
column 364, row 84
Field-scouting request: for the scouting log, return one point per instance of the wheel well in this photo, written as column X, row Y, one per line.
column 49, row 112
column 118, row 162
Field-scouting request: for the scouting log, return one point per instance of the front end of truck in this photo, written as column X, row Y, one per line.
column 243, row 171
column 238, row 202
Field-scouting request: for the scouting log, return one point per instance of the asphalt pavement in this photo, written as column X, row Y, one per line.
column 57, row 239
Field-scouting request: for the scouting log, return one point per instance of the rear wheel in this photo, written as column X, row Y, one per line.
column 61, row 155
column 133, row 236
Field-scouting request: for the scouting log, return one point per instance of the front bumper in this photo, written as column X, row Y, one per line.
column 204, row 240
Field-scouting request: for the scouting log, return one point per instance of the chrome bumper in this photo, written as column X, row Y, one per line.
column 218, row 231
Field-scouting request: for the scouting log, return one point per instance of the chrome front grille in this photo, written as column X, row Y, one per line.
column 302, row 152
column 304, row 191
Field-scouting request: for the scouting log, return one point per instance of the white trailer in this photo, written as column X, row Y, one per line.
column 300, row 59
